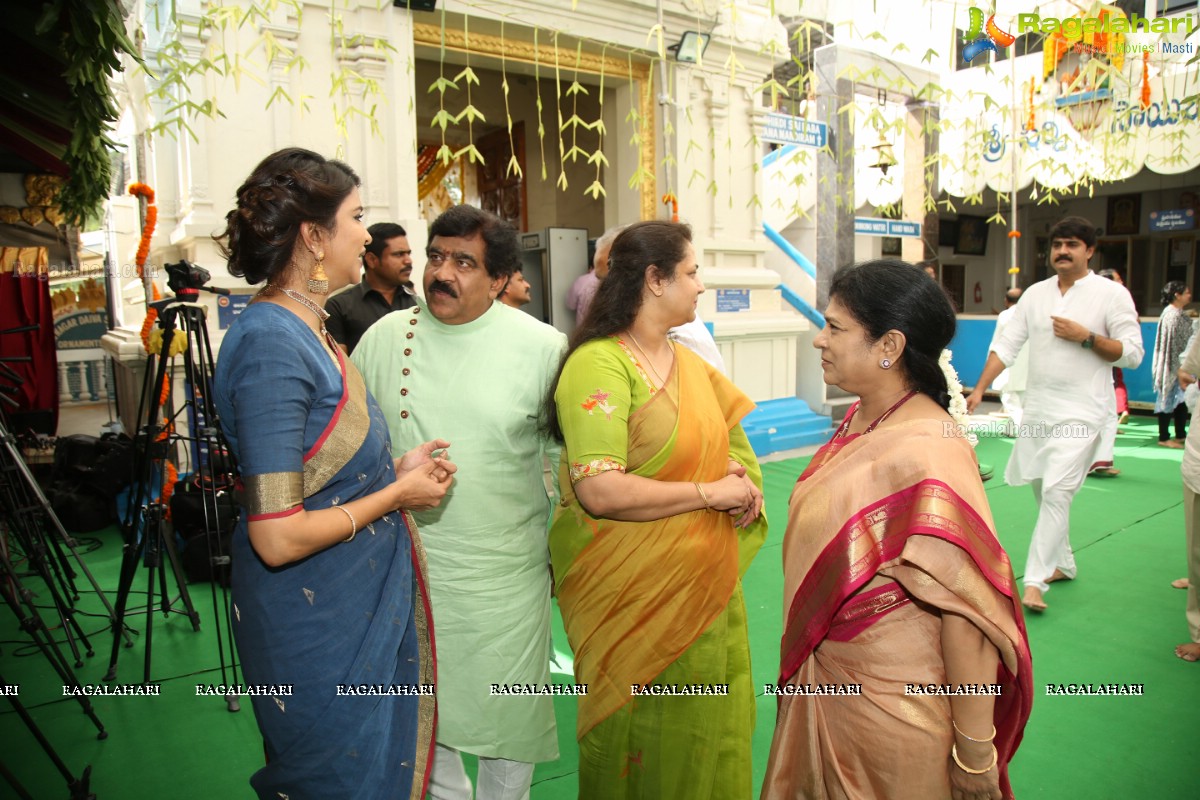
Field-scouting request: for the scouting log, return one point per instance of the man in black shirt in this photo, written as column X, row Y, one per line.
column 386, row 286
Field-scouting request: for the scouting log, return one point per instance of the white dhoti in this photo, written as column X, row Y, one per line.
column 1053, row 454
column 1014, row 406
column 1106, row 448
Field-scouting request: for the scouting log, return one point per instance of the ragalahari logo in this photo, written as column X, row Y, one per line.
column 980, row 37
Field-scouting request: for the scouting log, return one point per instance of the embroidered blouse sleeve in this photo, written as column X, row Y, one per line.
column 593, row 401
column 270, row 394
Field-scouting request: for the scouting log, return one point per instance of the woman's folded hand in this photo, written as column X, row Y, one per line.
column 423, row 487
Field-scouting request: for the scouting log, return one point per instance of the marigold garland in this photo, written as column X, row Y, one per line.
column 170, row 477
column 669, row 199
column 143, row 190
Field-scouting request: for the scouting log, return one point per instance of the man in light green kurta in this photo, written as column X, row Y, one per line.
column 475, row 372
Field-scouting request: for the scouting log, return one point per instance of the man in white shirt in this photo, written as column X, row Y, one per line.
column 1079, row 327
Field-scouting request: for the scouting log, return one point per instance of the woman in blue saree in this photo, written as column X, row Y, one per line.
column 329, row 603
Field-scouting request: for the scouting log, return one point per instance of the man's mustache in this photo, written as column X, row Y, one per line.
column 443, row 287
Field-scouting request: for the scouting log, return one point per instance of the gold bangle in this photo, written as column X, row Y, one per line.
column 353, row 523
column 971, row 738
column 965, row 768
column 703, row 496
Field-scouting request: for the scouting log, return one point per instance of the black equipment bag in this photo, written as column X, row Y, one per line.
column 88, row 474
column 103, row 465
column 204, row 538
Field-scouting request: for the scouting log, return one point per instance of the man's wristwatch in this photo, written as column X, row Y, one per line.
column 1089, row 342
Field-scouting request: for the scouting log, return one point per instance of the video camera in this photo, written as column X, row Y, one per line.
column 186, row 275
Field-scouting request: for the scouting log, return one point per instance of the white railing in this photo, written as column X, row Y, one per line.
column 82, row 376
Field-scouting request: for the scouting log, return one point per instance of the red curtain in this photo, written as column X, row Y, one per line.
column 25, row 300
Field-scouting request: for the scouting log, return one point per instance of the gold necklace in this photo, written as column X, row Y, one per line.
column 646, row 356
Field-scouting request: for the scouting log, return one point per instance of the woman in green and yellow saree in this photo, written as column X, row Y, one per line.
column 660, row 516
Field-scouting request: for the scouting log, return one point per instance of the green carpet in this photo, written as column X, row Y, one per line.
column 1118, row 623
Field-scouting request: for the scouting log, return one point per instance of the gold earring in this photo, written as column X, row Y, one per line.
column 318, row 281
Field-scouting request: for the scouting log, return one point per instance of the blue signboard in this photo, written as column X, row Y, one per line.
column 1176, row 219
column 733, row 300
column 869, row 226
column 229, row 306
column 786, row 129
column 872, row 226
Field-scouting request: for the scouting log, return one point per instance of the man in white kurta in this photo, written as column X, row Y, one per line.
column 1078, row 326
column 477, row 372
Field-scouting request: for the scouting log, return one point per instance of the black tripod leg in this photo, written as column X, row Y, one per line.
column 36, row 553
column 168, row 543
column 53, row 524
column 151, row 533
column 18, row 597
column 77, row 786
column 129, row 562
column 12, row 781
column 141, row 505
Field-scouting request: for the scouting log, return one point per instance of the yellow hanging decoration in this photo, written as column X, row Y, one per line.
column 154, row 345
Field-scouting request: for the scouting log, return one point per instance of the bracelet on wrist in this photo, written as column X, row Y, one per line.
column 968, row 770
column 703, row 496
column 353, row 523
column 972, row 738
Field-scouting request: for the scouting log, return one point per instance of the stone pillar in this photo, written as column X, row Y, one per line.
column 920, row 179
column 835, row 174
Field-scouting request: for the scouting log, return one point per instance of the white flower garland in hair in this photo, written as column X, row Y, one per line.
column 958, row 403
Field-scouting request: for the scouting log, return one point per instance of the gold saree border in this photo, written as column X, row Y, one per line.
column 875, row 537
column 343, row 436
column 426, row 704
column 272, row 494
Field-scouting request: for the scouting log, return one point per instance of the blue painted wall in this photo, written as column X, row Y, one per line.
column 970, row 348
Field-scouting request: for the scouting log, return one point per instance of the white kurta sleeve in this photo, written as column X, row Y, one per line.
column 1007, row 343
column 1122, row 321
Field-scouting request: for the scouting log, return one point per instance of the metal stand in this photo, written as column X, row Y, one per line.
column 28, row 523
column 149, row 535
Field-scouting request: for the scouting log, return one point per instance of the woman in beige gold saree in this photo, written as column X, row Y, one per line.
column 895, row 585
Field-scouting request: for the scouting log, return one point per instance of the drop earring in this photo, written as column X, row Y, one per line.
column 318, row 281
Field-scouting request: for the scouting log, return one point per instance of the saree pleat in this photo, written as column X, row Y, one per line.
column 887, row 532
column 660, row 602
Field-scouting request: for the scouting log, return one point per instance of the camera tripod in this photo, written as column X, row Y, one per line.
column 29, row 525
column 149, row 533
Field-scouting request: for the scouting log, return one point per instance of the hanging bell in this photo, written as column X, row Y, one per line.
column 883, row 155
